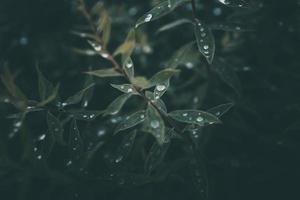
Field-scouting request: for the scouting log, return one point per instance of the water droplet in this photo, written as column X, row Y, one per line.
column 217, row 11
column 105, row 55
column 189, row 65
column 18, row 124
column 85, row 103
column 129, row 65
column 154, row 124
column 205, row 47
column 101, row 132
column 218, row 113
column 184, row 114
column 148, row 17
column 160, row 88
column 69, row 163
column 39, row 157
column 129, row 90
column 142, row 116
column 92, row 116
column 6, row 100
column 23, row 41
column 203, row 34
column 74, row 148
column 35, row 149
column 42, row 137
column 119, row 159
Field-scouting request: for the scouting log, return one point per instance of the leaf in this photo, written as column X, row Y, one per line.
column 126, row 88
column 174, row 24
column 227, row 74
column 75, row 143
column 220, row 110
column 125, row 147
column 198, row 117
column 85, row 115
column 159, row 11
column 236, row 27
column 46, row 88
column 104, row 73
column 131, row 121
column 205, row 40
column 140, row 82
column 162, row 76
column 89, row 93
column 156, row 156
column 55, row 128
column 239, row 4
column 104, row 26
column 184, row 55
column 84, row 35
column 50, row 98
column 128, row 46
column 77, row 97
column 115, row 107
column 158, row 102
column 160, row 89
column 154, row 124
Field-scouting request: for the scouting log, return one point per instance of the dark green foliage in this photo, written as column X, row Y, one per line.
column 158, row 99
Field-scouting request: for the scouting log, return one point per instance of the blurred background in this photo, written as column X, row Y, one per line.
column 254, row 154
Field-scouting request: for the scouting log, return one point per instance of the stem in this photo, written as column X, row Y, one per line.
column 194, row 8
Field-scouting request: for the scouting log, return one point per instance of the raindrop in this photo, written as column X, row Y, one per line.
column 42, row 137
column 129, row 65
column 85, row 103
column 105, row 55
column 18, row 124
column 92, row 116
column 205, row 47
column 129, row 90
column 119, row 159
column 154, row 124
column 142, row 116
column 69, row 163
column 217, row 11
column 39, row 157
column 35, row 149
column 189, row 65
column 184, row 114
column 101, row 132
column 160, row 88
column 148, row 18
column 203, row 34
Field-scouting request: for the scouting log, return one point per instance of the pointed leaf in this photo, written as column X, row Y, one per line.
column 158, row 102
column 78, row 96
column 126, row 88
column 220, row 110
column 128, row 46
column 184, row 55
column 131, row 121
column 55, row 128
column 205, row 41
column 198, row 117
column 104, row 73
column 163, row 76
column 117, row 104
column 154, row 124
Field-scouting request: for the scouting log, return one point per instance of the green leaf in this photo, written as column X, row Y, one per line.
column 185, row 54
column 200, row 118
column 162, row 76
column 128, row 46
column 85, row 115
column 229, row 27
column 131, row 121
column 75, row 143
column 115, row 107
column 156, row 156
column 77, row 97
column 220, row 110
column 124, row 148
column 51, row 97
column 55, row 128
column 205, row 41
column 104, row 73
column 239, row 4
column 154, row 124
column 126, row 88
column 227, row 74
column 158, row 102
column 175, row 3
column 160, row 89
column 140, row 82
column 46, row 88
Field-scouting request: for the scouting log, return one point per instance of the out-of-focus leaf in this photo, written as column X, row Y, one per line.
column 227, row 74
column 9, row 82
column 104, row 26
column 198, row 117
column 117, row 104
column 127, row 47
column 126, row 88
column 205, row 40
column 154, row 124
column 86, row 52
column 84, row 35
column 162, row 76
column 125, row 147
column 131, row 121
column 75, row 143
column 86, row 115
column 111, row 72
column 78, row 96
column 55, row 128
column 173, row 25
column 156, row 156
column 220, row 110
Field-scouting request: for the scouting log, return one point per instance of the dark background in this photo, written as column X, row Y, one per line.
column 254, row 154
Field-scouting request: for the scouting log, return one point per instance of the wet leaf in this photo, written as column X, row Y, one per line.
column 205, row 41
column 229, row 27
column 85, row 115
column 161, row 88
column 162, row 76
column 75, row 143
column 154, row 124
column 96, row 46
column 220, row 110
column 158, row 102
column 128, row 67
column 239, row 4
column 156, row 156
column 140, row 82
column 84, row 35
column 55, row 128
column 117, row 104
column 126, row 88
column 175, row 3
column 78, row 96
column 198, row 117
column 131, row 121
column 89, row 93
column 111, row 72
